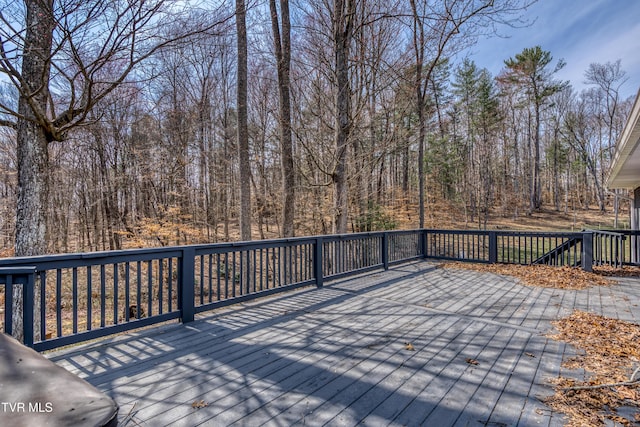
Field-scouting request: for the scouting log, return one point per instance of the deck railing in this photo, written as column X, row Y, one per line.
column 86, row 296
column 22, row 279
column 510, row 247
column 616, row 247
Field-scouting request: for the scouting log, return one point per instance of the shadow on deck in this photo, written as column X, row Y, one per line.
column 415, row 345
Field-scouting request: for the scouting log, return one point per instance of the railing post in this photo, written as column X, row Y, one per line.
column 27, row 308
column 424, row 242
column 25, row 278
column 317, row 262
column 186, row 284
column 385, row 250
column 587, row 250
column 493, row 247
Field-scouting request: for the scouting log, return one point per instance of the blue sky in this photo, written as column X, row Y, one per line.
column 580, row 32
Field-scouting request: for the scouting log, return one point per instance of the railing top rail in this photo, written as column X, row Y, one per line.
column 527, row 233
column 86, row 255
column 21, row 272
column 568, row 234
column 354, row 236
column 415, row 231
column 13, row 271
column 624, row 232
column 450, row 231
column 617, row 232
column 607, row 232
column 44, row 262
column 109, row 257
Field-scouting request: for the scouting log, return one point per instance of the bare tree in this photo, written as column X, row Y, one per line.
column 608, row 78
column 243, row 126
column 63, row 58
column 582, row 131
column 529, row 70
column 343, row 16
column 84, row 51
column 440, row 29
column 282, row 44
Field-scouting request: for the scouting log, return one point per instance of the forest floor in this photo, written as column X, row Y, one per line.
column 448, row 215
column 440, row 214
column 558, row 221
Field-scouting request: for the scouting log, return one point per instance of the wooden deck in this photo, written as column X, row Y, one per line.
column 384, row 348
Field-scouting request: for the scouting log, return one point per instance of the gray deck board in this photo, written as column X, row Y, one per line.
column 302, row 374
column 338, row 356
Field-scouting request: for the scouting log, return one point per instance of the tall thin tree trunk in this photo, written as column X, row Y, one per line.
column 405, row 169
column 419, row 47
column 342, row 32
column 243, row 126
column 537, row 191
column 32, row 146
column 421, row 180
column 282, row 44
column 556, row 173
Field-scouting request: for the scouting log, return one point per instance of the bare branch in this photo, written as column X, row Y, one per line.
column 7, row 123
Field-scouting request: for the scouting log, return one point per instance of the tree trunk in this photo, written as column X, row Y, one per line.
column 537, row 191
column 405, row 169
column 421, row 138
column 243, row 126
column 342, row 31
column 282, row 44
column 419, row 47
column 32, row 146
column 556, row 173
column 33, row 162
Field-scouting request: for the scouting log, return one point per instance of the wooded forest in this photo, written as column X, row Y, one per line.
column 149, row 122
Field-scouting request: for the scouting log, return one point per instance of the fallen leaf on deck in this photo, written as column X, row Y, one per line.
column 609, row 353
column 199, row 404
column 544, row 276
column 472, row 361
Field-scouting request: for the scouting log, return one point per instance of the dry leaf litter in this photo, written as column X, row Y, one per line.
column 544, row 276
column 610, row 348
column 611, row 355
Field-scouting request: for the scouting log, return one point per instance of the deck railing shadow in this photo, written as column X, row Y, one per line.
column 244, row 361
column 280, row 308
